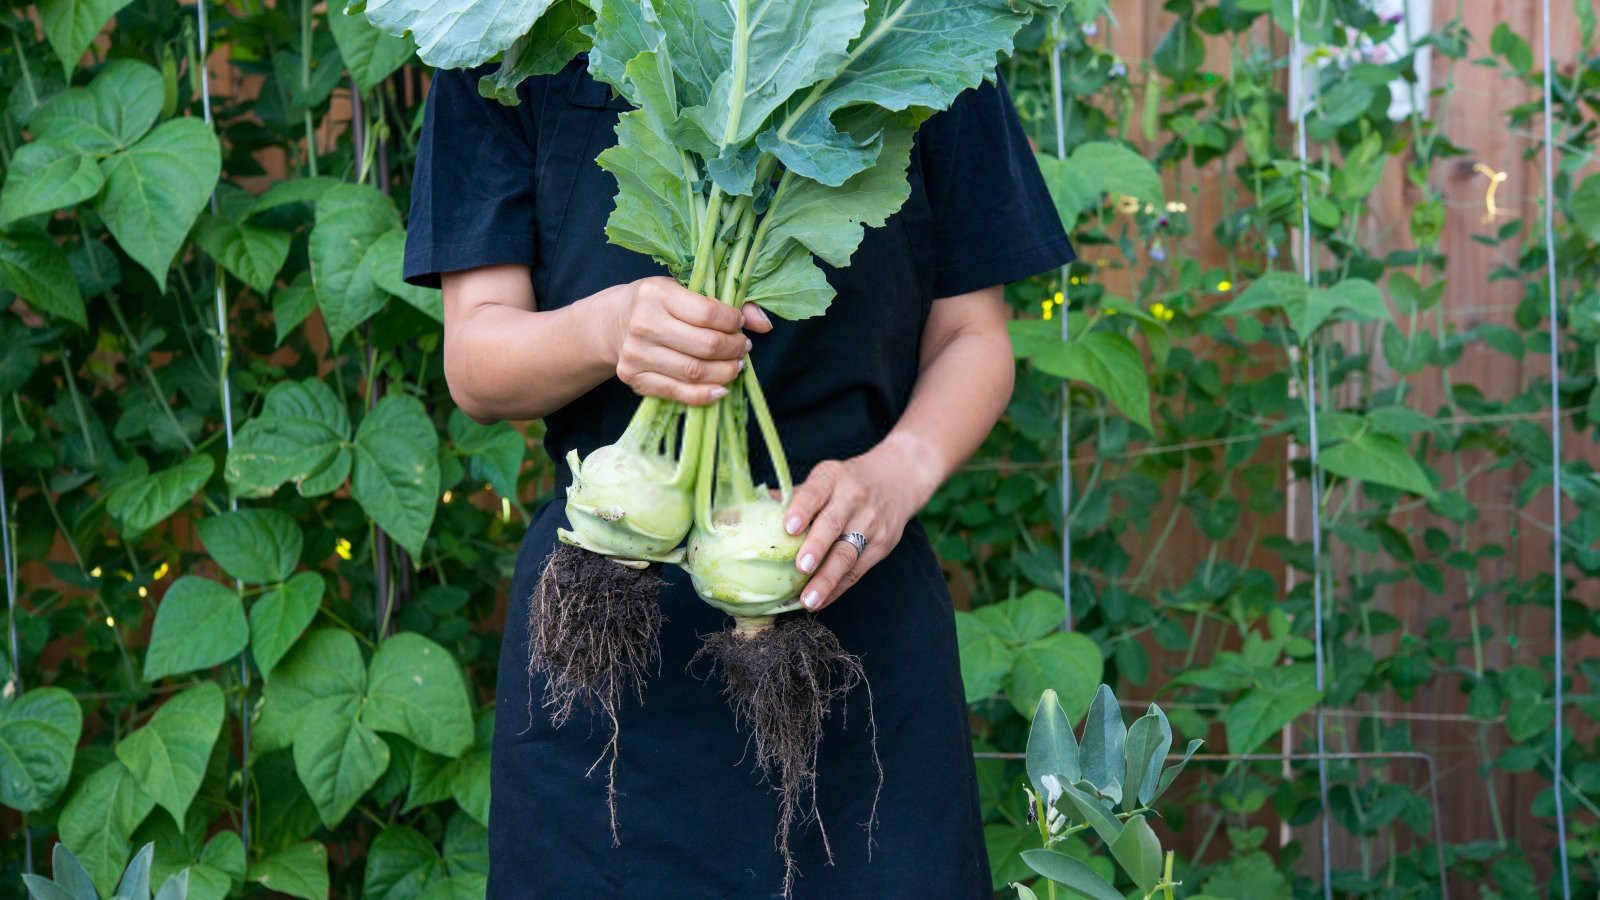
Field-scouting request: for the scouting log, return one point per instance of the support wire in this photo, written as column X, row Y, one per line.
column 1066, row 388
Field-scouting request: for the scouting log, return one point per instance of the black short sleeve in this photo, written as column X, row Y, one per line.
column 472, row 191
column 994, row 220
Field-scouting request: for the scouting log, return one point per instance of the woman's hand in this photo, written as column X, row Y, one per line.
column 875, row 494
column 674, row 343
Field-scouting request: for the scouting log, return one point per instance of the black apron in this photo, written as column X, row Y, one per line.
column 499, row 184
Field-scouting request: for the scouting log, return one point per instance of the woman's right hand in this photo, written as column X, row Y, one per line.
column 674, row 343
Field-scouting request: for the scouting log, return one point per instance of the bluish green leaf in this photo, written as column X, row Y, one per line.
column 556, row 38
column 396, row 478
column 654, row 212
column 168, row 755
column 1104, row 736
column 415, row 690
column 156, row 188
column 1139, row 853
column 350, row 218
column 44, row 176
column 1070, row 872
column 1171, row 773
column 1052, row 749
column 1145, row 752
column 199, row 624
column 38, row 736
column 457, row 34
column 280, row 616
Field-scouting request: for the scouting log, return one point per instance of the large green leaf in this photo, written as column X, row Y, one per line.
column 168, row 755
column 1380, row 459
column 496, row 450
column 1108, row 361
column 1115, row 169
column 350, row 218
column 251, row 253
column 112, row 112
column 38, row 736
column 280, row 616
column 1067, row 661
column 1073, row 191
column 300, row 870
column 985, row 658
column 1138, row 851
column 385, row 259
column 34, row 267
column 44, row 176
column 199, row 623
column 457, row 34
column 98, row 819
column 370, row 54
column 415, row 690
column 831, row 221
column 143, row 502
column 156, row 188
column 738, row 62
column 291, row 305
column 1584, row 206
column 301, row 436
column 396, row 477
column 71, row 26
column 654, row 211
column 337, row 756
column 400, row 863
column 1145, row 751
column 892, row 65
column 1269, row 706
column 256, row 546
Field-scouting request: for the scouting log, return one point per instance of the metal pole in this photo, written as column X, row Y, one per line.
column 13, row 687
column 1555, row 435
column 1066, row 388
column 1297, row 70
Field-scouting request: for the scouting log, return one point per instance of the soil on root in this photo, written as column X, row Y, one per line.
column 782, row 680
column 594, row 633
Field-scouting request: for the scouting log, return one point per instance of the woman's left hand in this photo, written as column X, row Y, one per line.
column 875, row 494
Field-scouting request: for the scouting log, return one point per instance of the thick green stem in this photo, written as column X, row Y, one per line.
column 769, row 431
column 706, row 463
column 305, row 84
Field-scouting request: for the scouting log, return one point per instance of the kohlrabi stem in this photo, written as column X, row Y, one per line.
column 733, row 275
column 705, row 242
column 689, row 453
column 706, row 463
column 760, row 238
column 769, row 431
column 736, row 454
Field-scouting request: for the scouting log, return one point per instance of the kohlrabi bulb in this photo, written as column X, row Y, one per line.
column 627, row 504
column 744, row 563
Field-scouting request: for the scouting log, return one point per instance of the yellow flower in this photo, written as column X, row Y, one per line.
column 447, row 496
column 1047, row 308
column 1128, row 205
column 144, row 592
column 95, row 572
column 1112, row 311
column 110, row 622
column 1162, row 312
column 1224, row 286
column 1074, row 280
column 1060, row 298
column 1176, row 207
column 342, row 547
column 160, row 572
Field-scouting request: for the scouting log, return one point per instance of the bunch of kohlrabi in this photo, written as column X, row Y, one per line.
column 764, row 136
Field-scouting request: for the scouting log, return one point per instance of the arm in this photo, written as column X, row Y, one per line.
column 963, row 385
column 506, row 359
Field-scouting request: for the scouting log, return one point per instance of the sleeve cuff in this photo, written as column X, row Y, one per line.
column 967, row 274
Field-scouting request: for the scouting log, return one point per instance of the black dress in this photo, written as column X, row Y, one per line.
column 498, row 184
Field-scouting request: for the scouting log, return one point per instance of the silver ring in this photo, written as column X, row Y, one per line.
column 855, row 539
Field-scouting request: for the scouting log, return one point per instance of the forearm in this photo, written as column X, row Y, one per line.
column 505, row 362
column 963, row 387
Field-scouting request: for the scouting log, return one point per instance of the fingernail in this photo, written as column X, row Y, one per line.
column 809, row 601
column 793, row 525
column 748, row 344
column 741, row 364
column 763, row 315
column 807, row 563
column 719, row 391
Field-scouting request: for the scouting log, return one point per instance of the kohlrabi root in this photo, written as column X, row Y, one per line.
column 783, row 676
column 594, row 628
